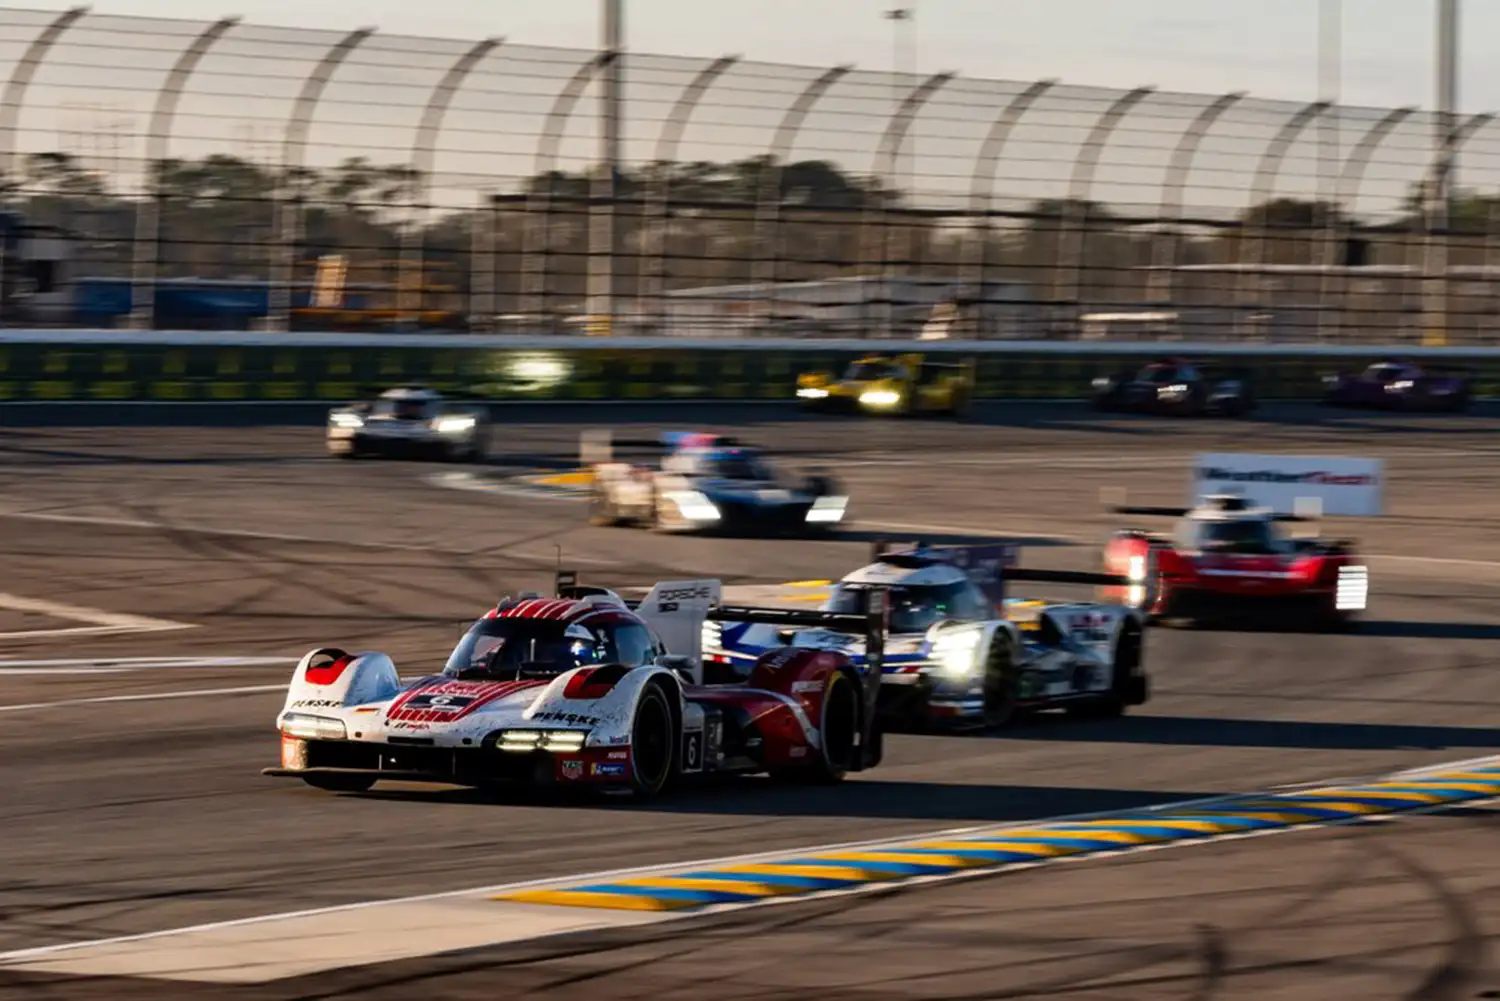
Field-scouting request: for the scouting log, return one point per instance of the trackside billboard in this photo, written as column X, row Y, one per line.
column 1340, row 485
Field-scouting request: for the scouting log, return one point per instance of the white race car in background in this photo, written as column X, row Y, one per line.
column 409, row 422
column 963, row 655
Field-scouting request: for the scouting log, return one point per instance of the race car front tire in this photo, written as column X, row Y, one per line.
column 601, row 508
column 340, row 783
column 653, row 743
column 1002, row 683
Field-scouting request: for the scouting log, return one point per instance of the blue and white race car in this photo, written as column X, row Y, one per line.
column 706, row 483
column 959, row 653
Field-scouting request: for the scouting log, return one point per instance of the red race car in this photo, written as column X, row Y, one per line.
column 1227, row 562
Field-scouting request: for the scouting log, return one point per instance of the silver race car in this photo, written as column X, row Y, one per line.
column 409, row 422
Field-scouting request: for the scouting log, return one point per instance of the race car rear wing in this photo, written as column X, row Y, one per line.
column 597, row 446
column 990, row 565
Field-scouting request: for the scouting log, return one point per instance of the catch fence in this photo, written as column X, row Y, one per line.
column 178, row 174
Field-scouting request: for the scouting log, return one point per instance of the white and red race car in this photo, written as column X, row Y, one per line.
column 587, row 688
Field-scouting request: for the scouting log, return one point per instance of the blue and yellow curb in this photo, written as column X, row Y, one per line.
column 803, row 874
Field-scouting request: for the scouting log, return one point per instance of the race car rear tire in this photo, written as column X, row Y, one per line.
column 340, row 783
column 601, row 509
column 839, row 728
column 1002, row 683
column 653, row 743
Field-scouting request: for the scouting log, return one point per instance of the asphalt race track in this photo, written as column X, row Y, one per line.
column 131, row 802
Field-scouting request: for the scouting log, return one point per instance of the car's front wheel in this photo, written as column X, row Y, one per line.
column 653, row 743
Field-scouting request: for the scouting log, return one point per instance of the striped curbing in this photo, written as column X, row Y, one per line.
column 996, row 849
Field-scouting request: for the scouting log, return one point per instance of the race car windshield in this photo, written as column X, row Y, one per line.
column 912, row 609
column 1159, row 373
column 739, row 467
column 1244, row 538
column 869, row 371
column 496, row 648
column 406, row 410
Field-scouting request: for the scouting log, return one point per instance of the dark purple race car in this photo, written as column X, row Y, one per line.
column 1399, row 385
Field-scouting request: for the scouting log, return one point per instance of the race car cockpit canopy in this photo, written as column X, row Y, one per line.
column 720, row 463
column 915, row 608
column 505, row 648
column 871, row 369
column 1243, row 536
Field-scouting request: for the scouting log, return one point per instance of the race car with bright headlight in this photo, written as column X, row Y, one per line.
column 1174, row 387
column 409, row 422
column 963, row 655
column 879, row 384
column 1401, row 385
column 1226, row 562
column 588, row 689
column 707, row 483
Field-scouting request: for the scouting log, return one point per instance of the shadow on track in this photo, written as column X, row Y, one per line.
column 873, row 799
column 1195, row 731
column 1395, row 629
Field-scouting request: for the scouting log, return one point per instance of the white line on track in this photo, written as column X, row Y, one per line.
column 128, row 665
column 100, row 622
column 192, row 693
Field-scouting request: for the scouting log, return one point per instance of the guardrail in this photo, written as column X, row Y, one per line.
column 74, row 366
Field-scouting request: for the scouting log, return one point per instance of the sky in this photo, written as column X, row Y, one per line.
column 1268, row 47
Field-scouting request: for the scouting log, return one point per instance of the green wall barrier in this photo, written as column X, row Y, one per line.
column 57, row 372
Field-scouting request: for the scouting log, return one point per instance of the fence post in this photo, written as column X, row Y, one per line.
column 654, row 279
column 146, row 252
column 1075, row 209
column 410, row 298
column 10, row 113
column 288, row 204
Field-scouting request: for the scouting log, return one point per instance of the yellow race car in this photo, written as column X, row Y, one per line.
column 883, row 384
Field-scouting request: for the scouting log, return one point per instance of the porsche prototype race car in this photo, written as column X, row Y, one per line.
column 904, row 384
column 708, row 483
column 961, row 655
column 589, row 689
column 1397, row 385
column 1227, row 562
column 409, row 422
column 1173, row 387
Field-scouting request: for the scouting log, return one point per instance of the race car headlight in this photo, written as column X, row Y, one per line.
column 880, row 398
column 521, row 741
column 827, row 509
column 1398, row 386
column 1136, row 571
column 454, row 425
column 809, row 393
column 348, row 421
column 309, row 727
column 1179, row 389
column 1352, row 592
column 693, row 505
column 956, row 653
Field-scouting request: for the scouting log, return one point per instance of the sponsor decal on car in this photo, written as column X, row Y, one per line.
column 560, row 717
column 606, row 769
column 571, row 768
column 316, row 704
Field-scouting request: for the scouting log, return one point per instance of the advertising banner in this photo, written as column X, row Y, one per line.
column 1291, row 484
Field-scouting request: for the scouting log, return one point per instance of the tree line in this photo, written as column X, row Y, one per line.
column 690, row 224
